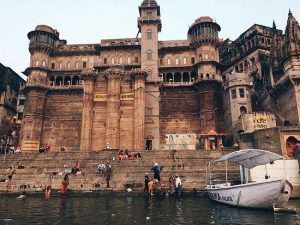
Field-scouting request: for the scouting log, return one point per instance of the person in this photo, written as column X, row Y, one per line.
column 161, row 190
column 76, row 168
column 147, row 179
column 48, row 191
column 151, row 186
column 121, row 155
column 62, row 148
column 126, row 152
column 172, row 185
column 9, row 172
column 107, row 173
column 65, row 183
column 107, row 146
column 47, row 147
column 296, row 153
column 22, row 196
column 42, row 149
column 156, row 172
column 18, row 150
column 178, row 185
column 101, row 169
column 131, row 156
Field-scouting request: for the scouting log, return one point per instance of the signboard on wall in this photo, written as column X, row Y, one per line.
column 260, row 122
column 31, row 146
column 100, row 97
column 127, row 96
column 180, row 142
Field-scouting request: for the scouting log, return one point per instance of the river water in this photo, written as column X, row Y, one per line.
column 130, row 210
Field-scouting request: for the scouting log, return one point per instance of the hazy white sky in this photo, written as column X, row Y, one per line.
column 89, row 21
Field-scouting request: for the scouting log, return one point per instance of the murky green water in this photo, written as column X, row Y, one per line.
column 134, row 210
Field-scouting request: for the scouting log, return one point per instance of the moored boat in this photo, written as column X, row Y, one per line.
column 267, row 194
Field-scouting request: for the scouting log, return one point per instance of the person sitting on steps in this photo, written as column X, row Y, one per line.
column 76, row 168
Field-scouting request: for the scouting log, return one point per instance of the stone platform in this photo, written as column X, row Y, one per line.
column 34, row 170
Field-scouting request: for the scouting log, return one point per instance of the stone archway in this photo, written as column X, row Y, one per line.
column 289, row 145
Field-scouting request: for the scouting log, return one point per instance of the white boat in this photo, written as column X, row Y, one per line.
column 268, row 194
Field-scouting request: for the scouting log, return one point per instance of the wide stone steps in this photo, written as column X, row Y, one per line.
column 33, row 170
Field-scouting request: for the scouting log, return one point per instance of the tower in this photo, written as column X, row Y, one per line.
column 42, row 44
column 149, row 25
column 203, row 37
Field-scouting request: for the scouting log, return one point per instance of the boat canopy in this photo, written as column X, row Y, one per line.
column 249, row 158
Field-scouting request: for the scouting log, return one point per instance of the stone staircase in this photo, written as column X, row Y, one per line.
column 34, row 170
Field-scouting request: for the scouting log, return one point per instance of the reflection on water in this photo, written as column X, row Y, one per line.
column 134, row 210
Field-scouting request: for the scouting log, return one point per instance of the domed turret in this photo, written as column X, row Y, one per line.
column 42, row 39
column 204, row 31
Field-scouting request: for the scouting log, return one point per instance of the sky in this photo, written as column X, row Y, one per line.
column 89, row 21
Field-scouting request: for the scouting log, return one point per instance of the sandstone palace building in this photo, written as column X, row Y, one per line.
column 142, row 93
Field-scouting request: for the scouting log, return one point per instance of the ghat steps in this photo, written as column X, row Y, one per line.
column 34, row 170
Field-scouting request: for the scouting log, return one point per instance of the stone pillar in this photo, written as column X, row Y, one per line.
column 32, row 128
column 139, row 109
column 87, row 112
column 113, row 77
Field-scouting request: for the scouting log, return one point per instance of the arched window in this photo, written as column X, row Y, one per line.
column 112, row 61
column 76, row 65
column 129, row 60
column 177, row 77
column 60, row 65
column 37, row 63
column 120, row 60
column 243, row 110
column 185, row 77
column 177, row 61
column 149, row 34
column 59, row 81
column 149, row 55
column 52, row 81
column 68, row 65
column 67, row 81
column 75, row 80
column 43, row 63
column 169, row 77
column 184, row 60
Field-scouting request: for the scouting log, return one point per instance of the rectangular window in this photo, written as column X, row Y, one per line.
column 149, row 14
column 105, row 61
column 136, row 59
column 112, row 61
column 184, row 61
column 60, row 65
column 120, row 60
column 242, row 93
column 37, row 62
column 129, row 60
column 149, row 35
column 161, row 61
column 149, row 55
column 21, row 101
column 169, row 61
column 84, row 65
column 52, row 65
column 68, row 65
column 177, row 61
column 43, row 63
column 76, row 65
column 193, row 60
column 233, row 94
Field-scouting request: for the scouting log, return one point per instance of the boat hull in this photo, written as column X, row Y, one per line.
column 254, row 195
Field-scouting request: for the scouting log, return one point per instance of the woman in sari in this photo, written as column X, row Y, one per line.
column 65, row 183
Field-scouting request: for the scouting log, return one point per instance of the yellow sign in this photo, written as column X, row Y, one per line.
column 100, row 97
column 260, row 122
column 127, row 96
column 30, row 146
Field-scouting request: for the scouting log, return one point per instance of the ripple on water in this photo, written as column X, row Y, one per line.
column 133, row 210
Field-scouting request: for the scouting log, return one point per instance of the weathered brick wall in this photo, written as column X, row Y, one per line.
column 62, row 120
